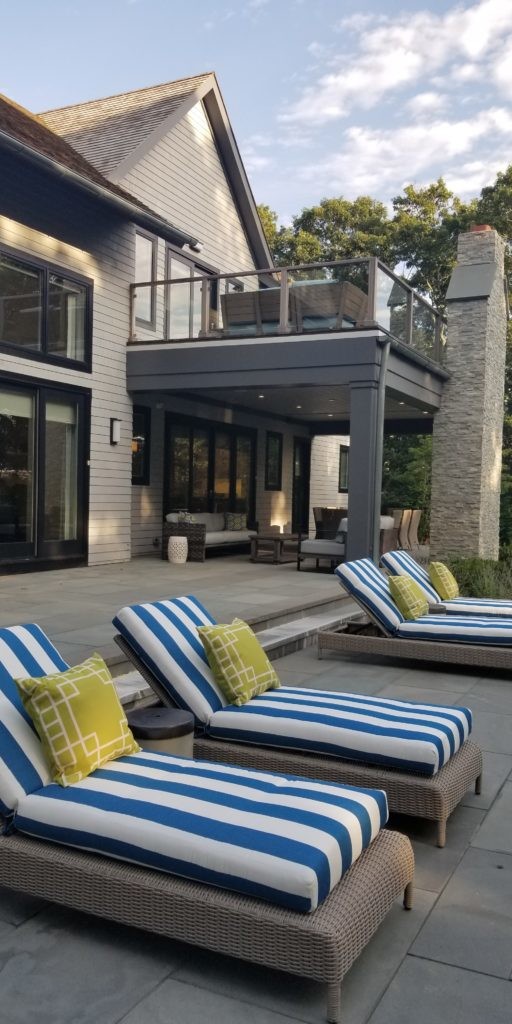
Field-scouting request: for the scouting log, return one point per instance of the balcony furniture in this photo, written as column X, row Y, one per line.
column 321, row 550
column 274, row 547
column 403, row 532
column 401, row 563
column 251, row 313
column 164, row 730
column 317, row 305
column 298, row 740
column 206, row 532
column 413, row 527
column 329, row 521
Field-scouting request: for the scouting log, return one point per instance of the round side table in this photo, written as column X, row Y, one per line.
column 177, row 550
column 167, row 730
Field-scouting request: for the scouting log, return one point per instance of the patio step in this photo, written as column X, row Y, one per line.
column 277, row 640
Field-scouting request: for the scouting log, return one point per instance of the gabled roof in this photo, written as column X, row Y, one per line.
column 117, row 131
column 29, row 134
column 107, row 130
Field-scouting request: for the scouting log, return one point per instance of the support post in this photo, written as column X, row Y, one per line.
column 366, row 423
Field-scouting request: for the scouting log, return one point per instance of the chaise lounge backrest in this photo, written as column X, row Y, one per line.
column 24, row 651
column 401, row 563
column 164, row 635
column 369, row 587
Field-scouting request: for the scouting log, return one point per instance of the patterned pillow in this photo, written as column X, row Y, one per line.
column 443, row 581
column 409, row 597
column 235, row 521
column 239, row 664
column 79, row 719
column 185, row 517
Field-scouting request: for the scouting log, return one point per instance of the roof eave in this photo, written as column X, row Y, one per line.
column 146, row 219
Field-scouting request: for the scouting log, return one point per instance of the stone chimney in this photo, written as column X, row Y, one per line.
column 468, row 429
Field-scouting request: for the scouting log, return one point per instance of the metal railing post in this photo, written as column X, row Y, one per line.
column 373, row 265
column 205, row 307
column 283, row 303
column 408, row 318
column 133, row 296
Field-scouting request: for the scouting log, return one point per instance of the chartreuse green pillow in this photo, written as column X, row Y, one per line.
column 408, row 596
column 443, row 581
column 239, row 664
column 78, row 718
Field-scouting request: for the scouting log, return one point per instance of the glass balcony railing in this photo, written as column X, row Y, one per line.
column 341, row 296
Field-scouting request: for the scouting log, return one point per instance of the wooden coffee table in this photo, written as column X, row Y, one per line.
column 271, row 547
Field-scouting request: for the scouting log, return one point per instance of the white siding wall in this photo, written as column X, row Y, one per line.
column 325, row 452
column 111, row 267
column 273, row 508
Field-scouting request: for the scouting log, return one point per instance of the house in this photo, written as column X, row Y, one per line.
column 152, row 359
column 94, row 197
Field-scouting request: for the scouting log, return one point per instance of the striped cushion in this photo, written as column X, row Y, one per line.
column 164, row 635
column 478, row 606
column 283, row 839
column 363, row 581
column 460, row 629
column 415, row 737
column 401, row 563
column 24, row 651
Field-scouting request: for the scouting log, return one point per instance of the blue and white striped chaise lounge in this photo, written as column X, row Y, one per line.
column 401, row 563
column 420, row 754
column 290, row 873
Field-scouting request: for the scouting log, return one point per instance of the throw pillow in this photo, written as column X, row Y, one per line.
column 235, row 521
column 443, row 581
column 185, row 517
column 239, row 664
column 79, row 719
column 408, row 596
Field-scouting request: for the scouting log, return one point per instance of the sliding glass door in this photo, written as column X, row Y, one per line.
column 42, row 473
column 209, row 467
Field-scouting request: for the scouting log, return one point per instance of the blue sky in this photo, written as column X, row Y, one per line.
column 326, row 97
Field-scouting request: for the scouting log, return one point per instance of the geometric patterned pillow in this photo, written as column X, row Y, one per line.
column 409, row 597
column 239, row 664
column 235, row 520
column 185, row 517
column 443, row 581
column 79, row 719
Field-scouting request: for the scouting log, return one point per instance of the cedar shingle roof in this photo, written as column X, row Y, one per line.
column 108, row 130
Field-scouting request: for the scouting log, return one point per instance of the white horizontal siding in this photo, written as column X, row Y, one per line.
column 325, row 460
column 110, row 264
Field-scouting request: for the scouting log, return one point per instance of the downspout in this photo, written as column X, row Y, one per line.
column 379, row 449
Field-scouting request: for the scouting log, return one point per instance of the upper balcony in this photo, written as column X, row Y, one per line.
column 313, row 299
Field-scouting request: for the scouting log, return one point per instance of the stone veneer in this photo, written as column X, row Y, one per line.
column 467, row 443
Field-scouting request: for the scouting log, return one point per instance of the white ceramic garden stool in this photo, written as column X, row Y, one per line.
column 177, row 550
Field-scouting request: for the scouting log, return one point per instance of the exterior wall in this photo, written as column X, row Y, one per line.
column 325, row 453
column 109, row 262
column 273, row 508
column 466, row 467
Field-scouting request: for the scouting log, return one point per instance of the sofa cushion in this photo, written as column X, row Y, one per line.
column 322, row 548
column 228, row 537
column 282, row 839
column 214, row 521
column 235, row 520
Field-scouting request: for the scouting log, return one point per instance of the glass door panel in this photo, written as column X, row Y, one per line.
column 300, row 485
column 61, row 471
column 243, row 480
column 179, row 470
column 178, row 300
column 200, row 467
column 17, row 473
column 222, row 477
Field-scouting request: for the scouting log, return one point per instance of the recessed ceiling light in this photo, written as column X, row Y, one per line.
column 330, row 414
column 298, row 407
column 401, row 403
column 331, row 401
column 261, row 396
column 426, row 412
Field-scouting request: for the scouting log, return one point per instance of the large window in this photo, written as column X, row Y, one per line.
column 145, row 270
column 343, row 468
column 43, row 311
column 209, row 467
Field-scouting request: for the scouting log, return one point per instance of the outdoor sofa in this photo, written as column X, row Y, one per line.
column 401, row 563
column 421, row 755
column 205, row 531
column 284, row 872
column 476, row 642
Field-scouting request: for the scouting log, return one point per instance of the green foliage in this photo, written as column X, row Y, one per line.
column 480, row 577
column 268, row 219
column 406, row 475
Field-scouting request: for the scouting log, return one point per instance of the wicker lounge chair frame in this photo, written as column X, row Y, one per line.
column 321, row 946
column 432, row 797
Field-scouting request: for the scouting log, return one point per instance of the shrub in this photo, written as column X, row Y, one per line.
column 480, row 577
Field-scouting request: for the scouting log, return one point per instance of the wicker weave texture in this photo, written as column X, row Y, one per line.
column 342, row 642
column 321, row 946
column 195, row 534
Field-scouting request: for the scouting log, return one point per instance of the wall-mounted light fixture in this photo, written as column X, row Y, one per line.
column 115, row 431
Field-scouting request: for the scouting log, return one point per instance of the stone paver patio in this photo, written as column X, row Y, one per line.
column 449, row 959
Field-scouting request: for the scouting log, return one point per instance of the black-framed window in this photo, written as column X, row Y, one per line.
column 141, row 444
column 273, row 461
column 343, row 468
column 145, row 270
column 45, row 311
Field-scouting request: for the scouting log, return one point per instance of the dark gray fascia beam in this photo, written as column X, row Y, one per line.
column 129, row 210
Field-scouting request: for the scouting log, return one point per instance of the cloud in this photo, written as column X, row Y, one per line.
column 426, row 103
column 397, row 52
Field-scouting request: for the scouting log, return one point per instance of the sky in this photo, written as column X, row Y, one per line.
column 326, row 97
